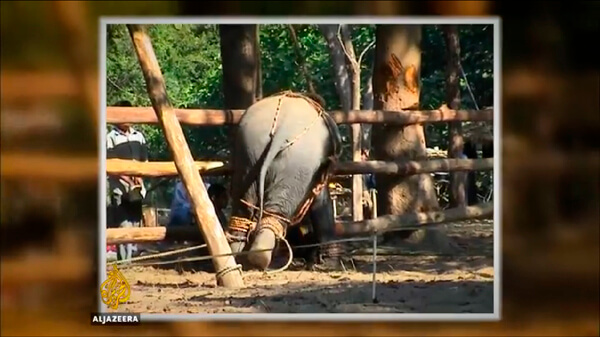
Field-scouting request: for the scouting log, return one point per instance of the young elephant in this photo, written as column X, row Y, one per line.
column 283, row 146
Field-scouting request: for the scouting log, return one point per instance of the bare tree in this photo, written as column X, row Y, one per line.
column 347, row 76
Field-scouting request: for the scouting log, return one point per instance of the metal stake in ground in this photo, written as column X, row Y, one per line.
column 228, row 273
column 374, row 297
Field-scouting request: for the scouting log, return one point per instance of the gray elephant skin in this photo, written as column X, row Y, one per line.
column 276, row 177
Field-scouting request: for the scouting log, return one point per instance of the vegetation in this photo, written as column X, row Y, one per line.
column 189, row 56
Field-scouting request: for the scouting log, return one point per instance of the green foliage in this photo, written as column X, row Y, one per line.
column 189, row 57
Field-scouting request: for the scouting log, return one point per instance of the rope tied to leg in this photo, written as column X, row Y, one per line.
column 274, row 225
column 241, row 226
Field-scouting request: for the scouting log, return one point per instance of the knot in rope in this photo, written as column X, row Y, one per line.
column 274, row 225
column 239, row 225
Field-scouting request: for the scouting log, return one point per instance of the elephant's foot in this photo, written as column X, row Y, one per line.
column 261, row 250
column 237, row 246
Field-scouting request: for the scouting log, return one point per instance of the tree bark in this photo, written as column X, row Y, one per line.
column 396, row 87
column 338, row 62
column 240, row 68
column 455, row 138
column 367, row 104
column 259, row 87
column 354, row 71
column 240, row 64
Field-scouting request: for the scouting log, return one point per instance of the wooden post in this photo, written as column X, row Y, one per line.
column 455, row 139
column 149, row 216
column 227, row 273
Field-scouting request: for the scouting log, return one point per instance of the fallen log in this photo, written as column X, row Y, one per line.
column 343, row 229
column 215, row 117
column 387, row 223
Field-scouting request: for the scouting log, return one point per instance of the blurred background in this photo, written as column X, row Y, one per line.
column 550, row 164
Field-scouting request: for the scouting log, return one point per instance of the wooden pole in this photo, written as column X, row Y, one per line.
column 346, row 229
column 116, row 236
column 408, row 168
column 227, row 273
column 154, row 168
column 160, row 169
column 214, row 117
column 414, row 220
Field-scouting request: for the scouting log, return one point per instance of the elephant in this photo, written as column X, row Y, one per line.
column 284, row 146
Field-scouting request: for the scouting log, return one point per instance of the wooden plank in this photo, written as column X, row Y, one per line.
column 206, row 217
column 153, row 169
column 145, row 115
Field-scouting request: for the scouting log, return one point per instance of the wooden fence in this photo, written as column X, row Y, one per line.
column 212, row 117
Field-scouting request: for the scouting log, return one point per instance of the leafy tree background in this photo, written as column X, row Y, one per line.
column 189, row 56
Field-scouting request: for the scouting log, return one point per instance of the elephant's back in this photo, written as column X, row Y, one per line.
column 295, row 112
column 298, row 121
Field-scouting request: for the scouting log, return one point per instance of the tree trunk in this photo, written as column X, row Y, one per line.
column 240, row 64
column 240, row 67
column 396, row 87
column 455, row 140
column 354, row 71
column 259, row 87
column 367, row 104
column 338, row 62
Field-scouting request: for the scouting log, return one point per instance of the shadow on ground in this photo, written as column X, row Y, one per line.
column 355, row 297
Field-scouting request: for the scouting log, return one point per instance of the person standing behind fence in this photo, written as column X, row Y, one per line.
column 181, row 209
column 126, row 192
column 220, row 198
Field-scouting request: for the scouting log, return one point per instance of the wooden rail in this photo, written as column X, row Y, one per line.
column 24, row 86
column 157, row 169
column 197, row 117
column 343, row 229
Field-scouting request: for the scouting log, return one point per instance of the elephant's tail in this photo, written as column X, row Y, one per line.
column 273, row 147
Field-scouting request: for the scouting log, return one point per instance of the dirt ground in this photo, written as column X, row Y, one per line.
column 416, row 282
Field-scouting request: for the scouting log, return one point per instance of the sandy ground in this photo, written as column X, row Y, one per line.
column 416, row 282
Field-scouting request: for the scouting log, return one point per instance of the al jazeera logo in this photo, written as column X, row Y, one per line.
column 115, row 290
